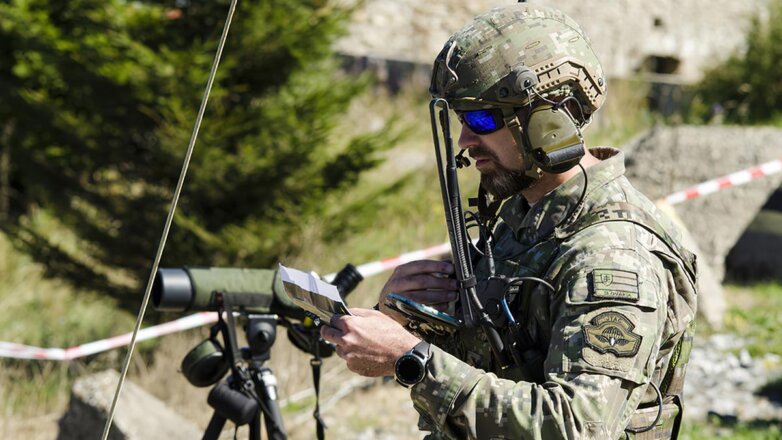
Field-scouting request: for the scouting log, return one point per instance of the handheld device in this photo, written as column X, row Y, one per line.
column 421, row 316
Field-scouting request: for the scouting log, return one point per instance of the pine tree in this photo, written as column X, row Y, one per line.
column 97, row 101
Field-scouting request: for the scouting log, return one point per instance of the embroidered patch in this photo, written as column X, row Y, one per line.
column 612, row 332
column 614, row 284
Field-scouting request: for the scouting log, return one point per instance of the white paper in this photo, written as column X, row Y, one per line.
column 312, row 294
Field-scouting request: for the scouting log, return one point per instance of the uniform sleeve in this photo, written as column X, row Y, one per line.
column 608, row 317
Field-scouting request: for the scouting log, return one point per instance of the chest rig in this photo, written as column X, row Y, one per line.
column 511, row 281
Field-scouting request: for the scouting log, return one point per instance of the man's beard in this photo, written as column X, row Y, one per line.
column 502, row 182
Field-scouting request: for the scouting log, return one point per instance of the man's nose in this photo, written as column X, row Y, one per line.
column 468, row 138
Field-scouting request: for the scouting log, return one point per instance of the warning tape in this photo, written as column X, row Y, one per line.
column 19, row 351
column 720, row 183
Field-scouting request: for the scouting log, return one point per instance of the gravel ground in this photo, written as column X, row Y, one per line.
column 721, row 383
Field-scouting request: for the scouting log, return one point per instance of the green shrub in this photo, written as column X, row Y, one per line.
column 747, row 87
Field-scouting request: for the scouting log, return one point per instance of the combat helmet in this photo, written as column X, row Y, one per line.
column 521, row 55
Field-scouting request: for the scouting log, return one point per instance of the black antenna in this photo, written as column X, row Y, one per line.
column 472, row 310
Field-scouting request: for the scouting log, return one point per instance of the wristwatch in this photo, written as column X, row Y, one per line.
column 410, row 368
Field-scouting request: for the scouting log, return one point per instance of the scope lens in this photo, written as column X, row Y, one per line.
column 172, row 290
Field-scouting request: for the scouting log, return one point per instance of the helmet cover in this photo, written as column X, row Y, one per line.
column 515, row 54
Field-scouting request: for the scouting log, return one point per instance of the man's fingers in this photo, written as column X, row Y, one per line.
column 424, row 266
column 429, row 297
column 337, row 322
column 362, row 312
column 331, row 334
column 422, row 282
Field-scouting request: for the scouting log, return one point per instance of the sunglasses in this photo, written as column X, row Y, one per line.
column 482, row 121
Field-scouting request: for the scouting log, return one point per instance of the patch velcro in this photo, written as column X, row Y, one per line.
column 612, row 332
column 614, row 284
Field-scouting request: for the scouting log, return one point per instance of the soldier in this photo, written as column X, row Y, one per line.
column 602, row 327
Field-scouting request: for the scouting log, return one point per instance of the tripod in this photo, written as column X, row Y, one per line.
column 251, row 391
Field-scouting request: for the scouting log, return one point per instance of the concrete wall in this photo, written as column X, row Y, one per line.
column 628, row 35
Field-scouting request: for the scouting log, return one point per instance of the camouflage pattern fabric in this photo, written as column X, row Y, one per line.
column 622, row 303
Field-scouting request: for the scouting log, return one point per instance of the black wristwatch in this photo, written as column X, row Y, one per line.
column 410, row 368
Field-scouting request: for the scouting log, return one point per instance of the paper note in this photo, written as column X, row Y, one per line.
column 313, row 294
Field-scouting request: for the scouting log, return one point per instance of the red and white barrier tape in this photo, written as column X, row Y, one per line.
column 19, row 351
column 720, row 183
column 369, row 269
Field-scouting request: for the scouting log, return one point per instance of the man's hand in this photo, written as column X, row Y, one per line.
column 369, row 342
column 424, row 281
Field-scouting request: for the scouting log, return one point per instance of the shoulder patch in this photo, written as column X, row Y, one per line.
column 614, row 284
column 612, row 332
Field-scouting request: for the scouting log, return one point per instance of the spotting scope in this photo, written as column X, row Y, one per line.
column 252, row 290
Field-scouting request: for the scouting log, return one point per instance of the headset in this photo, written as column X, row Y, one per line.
column 550, row 139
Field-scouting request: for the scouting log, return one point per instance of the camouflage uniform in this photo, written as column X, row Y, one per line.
column 620, row 317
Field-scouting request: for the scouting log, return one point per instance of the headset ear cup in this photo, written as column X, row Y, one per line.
column 205, row 364
column 553, row 139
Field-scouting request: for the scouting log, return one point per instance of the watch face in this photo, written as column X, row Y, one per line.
column 409, row 370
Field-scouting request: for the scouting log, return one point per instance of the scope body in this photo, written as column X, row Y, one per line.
column 252, row 290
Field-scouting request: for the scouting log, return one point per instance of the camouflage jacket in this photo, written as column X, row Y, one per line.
column 622, row 300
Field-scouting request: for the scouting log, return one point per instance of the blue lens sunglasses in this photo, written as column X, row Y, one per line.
column 483, row 121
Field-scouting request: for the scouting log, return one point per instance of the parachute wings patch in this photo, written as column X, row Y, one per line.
column 612, row 332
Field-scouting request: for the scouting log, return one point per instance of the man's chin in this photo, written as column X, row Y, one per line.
column 503, row 184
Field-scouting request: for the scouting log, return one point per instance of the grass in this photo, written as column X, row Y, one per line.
column 754, row 314
column 741, row 431
column 46, row 313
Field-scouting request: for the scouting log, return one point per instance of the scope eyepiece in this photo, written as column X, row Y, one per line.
column 347, row 279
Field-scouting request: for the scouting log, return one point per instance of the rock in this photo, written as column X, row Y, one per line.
column 139, row 415
column 745, row 359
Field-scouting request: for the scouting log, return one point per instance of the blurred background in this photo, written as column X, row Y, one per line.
column 315, row 151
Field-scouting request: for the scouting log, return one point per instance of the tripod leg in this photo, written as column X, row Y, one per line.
column 255, row 428
column 215, row 427
column 271, row 408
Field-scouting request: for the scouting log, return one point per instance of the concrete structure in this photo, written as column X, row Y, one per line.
column 666, row 37
column 139, row 415
column 668, row 159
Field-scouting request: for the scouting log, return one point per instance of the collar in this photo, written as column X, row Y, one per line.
column 530, row 224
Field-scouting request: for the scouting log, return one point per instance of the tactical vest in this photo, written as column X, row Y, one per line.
column 659, row 415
